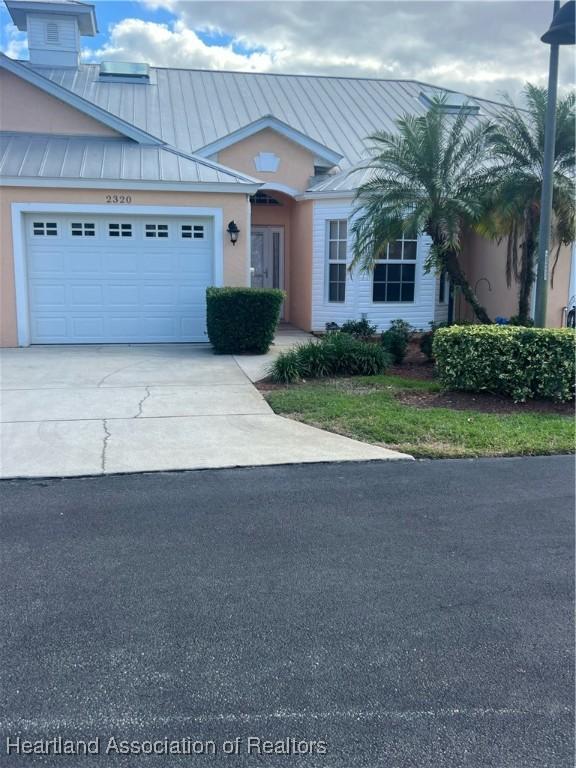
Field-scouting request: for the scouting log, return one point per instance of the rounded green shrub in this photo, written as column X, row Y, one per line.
column 242, row 319
column 519, row 362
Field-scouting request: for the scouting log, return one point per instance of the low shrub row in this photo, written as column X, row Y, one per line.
column 521, row 363
column 242, row 319
column 336, row 354
column 395, row 340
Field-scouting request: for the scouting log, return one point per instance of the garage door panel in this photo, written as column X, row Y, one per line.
column 159, row 294
column 191, row 295
column 84, row 262
column 86, row 296
column 48, row 295
column 46, row 263
column 88, row 327
column 53, row 327
column 116, row 262
column 158, row 262
column 99, row 288
column 127, row 295
column 161, row 326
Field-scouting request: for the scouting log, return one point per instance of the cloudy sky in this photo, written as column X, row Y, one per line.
column 482, row 48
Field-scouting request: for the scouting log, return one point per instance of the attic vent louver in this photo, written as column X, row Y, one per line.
column 124, row 72
column 452, row 103
column 52, row 33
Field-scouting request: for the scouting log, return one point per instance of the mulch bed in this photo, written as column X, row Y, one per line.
column 417, row 366
column 483, row 403
column 412, row 370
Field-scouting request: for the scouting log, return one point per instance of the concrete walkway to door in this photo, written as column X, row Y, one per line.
column 89, row 410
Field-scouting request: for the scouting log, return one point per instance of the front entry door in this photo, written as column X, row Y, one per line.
column 267, row 258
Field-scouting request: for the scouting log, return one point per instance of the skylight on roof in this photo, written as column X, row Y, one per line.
column 453, row 102
column 124, row 71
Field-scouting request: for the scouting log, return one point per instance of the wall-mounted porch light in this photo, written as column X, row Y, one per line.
column 233, row 231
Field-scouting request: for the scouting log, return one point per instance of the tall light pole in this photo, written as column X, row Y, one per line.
column 561, row 32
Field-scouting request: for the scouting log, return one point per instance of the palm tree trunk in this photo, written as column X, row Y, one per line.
column 527, row 270
column 458, row 279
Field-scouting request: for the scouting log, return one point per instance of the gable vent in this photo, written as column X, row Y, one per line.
column 52, row 33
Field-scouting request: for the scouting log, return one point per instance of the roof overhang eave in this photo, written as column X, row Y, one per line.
column 208, row 187
column 84, row 12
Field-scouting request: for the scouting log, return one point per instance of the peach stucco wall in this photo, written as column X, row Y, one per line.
column 25, row 108
column 234, row 206
column 484, row 262
column 296, row 163
column 301, row 265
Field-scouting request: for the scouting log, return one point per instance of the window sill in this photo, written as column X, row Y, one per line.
column 395, row 303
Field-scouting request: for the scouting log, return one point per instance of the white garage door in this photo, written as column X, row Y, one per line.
column 106, row 279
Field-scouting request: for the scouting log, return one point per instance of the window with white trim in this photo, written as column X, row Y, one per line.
column 394, row 279
column 336, row 251
column 119, row 230
column 82, row 229
column 44, row 228
column 192, row 231
column 156, row 230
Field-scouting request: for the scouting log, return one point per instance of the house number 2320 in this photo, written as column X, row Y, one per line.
column 118, row 198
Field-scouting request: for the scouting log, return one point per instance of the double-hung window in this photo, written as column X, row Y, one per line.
column 395, row 272
column 337, row 240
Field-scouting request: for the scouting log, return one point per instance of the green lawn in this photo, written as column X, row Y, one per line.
column 365, row 408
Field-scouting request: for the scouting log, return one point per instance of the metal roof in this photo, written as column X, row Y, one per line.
column 190, row 109
column 342, row 182
column 38, row 156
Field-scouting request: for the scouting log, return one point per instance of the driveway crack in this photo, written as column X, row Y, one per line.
column 118, row 370
column 142, row 401
column 107, row 436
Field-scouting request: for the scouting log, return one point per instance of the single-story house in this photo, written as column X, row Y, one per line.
column 128, row 189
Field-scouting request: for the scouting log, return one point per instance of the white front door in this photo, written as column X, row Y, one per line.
column 118, row 279
column 267, row 257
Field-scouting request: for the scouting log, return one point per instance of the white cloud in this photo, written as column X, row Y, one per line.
column 483, row 47
column 14, row 43
column 178, row 46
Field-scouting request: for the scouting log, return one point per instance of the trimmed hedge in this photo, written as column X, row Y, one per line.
column 522, row 363
column 242, row 319
column 336, row 354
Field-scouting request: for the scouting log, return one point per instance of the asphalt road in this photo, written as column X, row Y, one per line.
column 404, row 614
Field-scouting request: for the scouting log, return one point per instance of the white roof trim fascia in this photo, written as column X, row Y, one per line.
column 87, row 107
column 269, row 121
column 341, row 195
column 20, row 12
column 275, row 186
column 160, row 186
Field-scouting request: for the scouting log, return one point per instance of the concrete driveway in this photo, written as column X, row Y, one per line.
column 88, row 410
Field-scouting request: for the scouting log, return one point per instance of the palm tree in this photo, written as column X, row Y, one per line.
column 513, row 201
column 424, row 178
